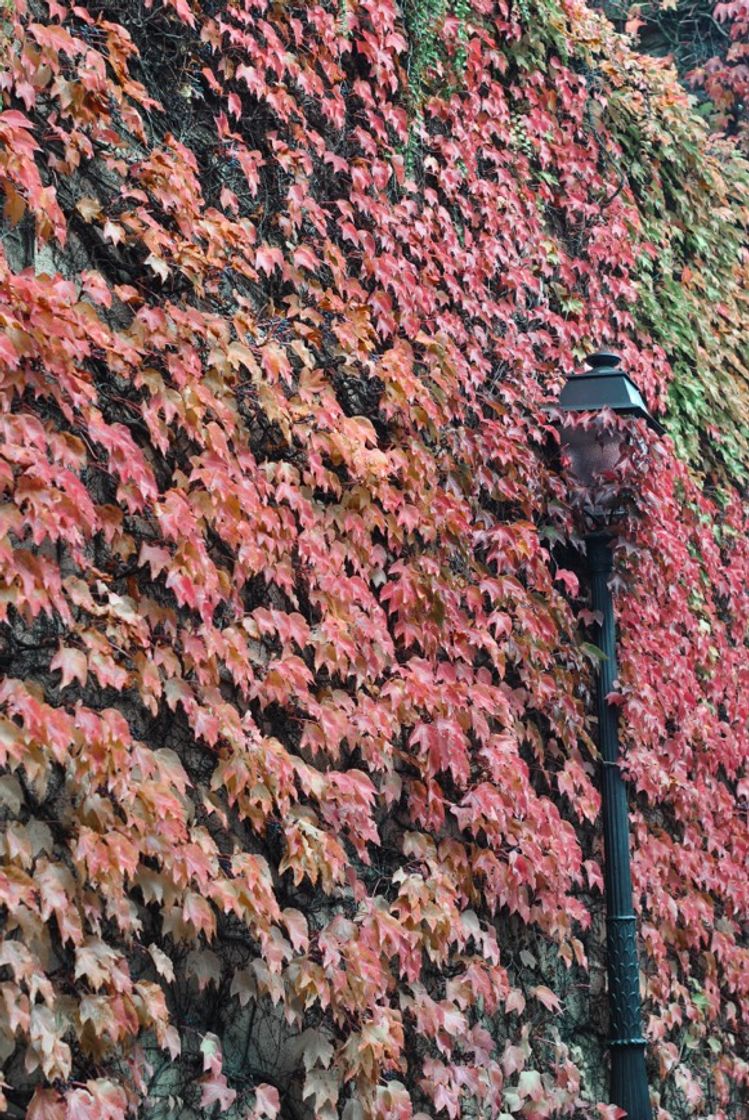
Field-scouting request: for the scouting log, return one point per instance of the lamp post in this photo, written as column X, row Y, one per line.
column 593, row 453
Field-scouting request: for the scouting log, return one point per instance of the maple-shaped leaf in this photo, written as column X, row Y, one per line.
column 99, row 964
column 214, row 1088
column 47, row 1048
column 530, row 1084
column 158, row 265
column 268, row 258
column 11, row 793
column 183, row 10
column 315, row 1048
column 305, row 258
column 515, row 1001
column 163, row 963
column 204, row 966
column 72, row 663
column 545, row 996
column 99, row 1100
column 296, row 924
column 267, row 1101
column 323, row 1085
column 569, row 579
column 113, row 232
column 88, row 208
column 96, row 287
column 244, row 986
column 228, row 199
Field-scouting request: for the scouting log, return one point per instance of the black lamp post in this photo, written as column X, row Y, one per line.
column 593, row 451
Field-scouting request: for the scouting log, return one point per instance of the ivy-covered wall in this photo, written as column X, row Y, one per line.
column 299, row 805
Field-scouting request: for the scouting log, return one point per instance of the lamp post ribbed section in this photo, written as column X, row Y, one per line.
column 629, row 1087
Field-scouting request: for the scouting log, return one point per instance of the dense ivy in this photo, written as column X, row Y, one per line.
column 708, row 43
column 299, row 800
column 693, row 199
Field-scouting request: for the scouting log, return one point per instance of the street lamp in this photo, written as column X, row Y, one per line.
column 595, row 450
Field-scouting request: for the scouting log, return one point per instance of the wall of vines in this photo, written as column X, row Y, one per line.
column 298, row 802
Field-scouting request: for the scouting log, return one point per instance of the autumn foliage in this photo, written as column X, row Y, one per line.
column 725, row 76
column 299, row 793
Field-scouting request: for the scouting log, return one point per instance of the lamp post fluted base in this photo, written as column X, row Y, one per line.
column 629, row 1086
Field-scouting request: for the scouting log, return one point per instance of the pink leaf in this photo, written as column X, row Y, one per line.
column 46, row 1104
column 214, row 1087
column 267, row 1101
column 296, row 924
column 268, row 258
column 72, row 663
column 545, row 996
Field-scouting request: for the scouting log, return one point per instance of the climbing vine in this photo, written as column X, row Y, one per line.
column 299, row 801
column 432, row 68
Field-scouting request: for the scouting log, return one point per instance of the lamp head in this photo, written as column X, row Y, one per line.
column 595, row 449
column 605, row 385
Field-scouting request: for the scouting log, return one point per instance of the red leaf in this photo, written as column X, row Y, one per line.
column 305, row 258
column 95, row 286
column 182, row 8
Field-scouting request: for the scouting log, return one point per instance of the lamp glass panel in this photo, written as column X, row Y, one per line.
column 593, row 451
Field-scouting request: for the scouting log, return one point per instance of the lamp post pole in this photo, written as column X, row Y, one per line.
column 629, row 1086
column 604, row 387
